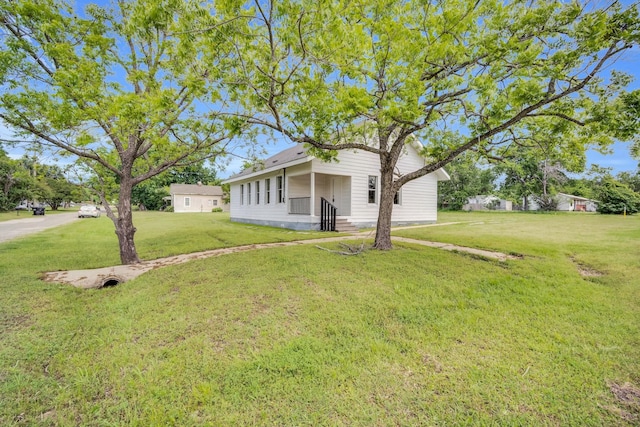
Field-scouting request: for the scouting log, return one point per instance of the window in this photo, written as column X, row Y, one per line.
column 242, row 194
column 257, row 192
column 373, row 189
column 187, row 202
column 215, row 202
column 248, row 193
column 280, row 189
column 397, row 199
column 267, row 190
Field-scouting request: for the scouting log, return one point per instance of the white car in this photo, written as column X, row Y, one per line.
column 87, row 211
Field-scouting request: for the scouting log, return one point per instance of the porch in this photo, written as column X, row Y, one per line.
column 305, row 192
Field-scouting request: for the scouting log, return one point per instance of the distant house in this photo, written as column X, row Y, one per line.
column 487, row 202
column 568, row 202
column 196, row 197
column 296, row 190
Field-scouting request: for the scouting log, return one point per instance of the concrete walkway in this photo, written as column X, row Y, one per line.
column 110, row 276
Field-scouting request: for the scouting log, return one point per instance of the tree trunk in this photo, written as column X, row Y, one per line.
column 124, row 225
column 383, row 228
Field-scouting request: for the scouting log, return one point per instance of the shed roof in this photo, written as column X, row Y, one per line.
column 196, row 189
column 571, row 196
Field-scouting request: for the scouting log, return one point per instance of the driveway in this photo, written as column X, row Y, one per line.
column 29, row 224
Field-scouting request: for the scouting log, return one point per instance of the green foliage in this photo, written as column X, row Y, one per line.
column 217, row 210
column 118, row 87
column 582, row 187
column 151, row 193
column 617, row 198
column 467, row 180
column 459, row 75
column 630, row 179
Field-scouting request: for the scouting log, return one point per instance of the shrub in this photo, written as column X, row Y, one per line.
column 168, row 209
column 616, row 198
column 216, row 210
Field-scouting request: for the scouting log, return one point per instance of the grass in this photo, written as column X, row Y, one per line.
column 299, row 336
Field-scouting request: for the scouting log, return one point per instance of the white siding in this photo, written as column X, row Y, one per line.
column 273, row 212
column 198, row 203
column 419, row 197
column 346, row 184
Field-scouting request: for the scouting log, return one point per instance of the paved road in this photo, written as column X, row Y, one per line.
column 29, row 224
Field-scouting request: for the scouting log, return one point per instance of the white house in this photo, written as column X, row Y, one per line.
column 295, row 190
column 569, row 202
column 196, row 197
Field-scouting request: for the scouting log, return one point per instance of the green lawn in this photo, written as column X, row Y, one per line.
column 300, row 336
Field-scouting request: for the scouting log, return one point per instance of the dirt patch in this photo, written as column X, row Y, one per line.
column 628, row 396
column 586, row 270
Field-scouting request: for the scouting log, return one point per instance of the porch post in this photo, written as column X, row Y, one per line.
column 312, row 202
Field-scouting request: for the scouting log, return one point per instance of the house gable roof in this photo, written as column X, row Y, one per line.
column 298, row 154
column 289, row 157
column 196, row 189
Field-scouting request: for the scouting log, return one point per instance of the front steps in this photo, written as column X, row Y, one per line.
column 344, row 226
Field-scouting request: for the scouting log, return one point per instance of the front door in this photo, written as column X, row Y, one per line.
column 336, row 193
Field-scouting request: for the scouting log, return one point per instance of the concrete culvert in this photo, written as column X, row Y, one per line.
column 111, row 281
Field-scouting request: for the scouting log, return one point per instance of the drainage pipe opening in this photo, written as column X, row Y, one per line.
column 111, row 281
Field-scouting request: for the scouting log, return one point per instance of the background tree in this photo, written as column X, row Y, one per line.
column 541, row 154
column 122, row 87
column 582, row 187
column 630, row 179
column 467, row 180
column 617, row 198
column 152, row 192
column 16, row 184
column 55, row 189
column 457, row 74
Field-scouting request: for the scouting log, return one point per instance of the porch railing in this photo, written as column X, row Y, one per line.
column 327, row 215
column 300, row 205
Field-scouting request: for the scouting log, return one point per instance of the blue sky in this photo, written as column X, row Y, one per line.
column 619, row 158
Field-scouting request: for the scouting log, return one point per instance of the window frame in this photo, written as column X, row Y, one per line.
column 397, row 198
column 372, row 190
column 242, row 194
column 267, row 191
column 257, row 192
column 280, row 188
column 187, row 202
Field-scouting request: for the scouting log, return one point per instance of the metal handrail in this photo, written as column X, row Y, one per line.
column 327, row 215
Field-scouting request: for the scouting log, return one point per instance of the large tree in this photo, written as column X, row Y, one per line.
column 458, row 74
column 122, row 87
